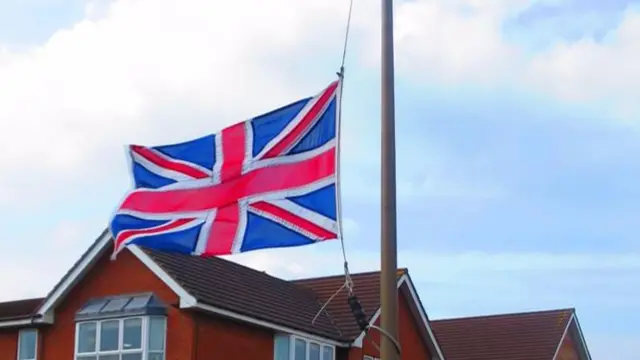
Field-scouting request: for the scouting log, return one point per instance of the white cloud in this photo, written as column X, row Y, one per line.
column 449, row 44
column 326, row 259
column 594, row 71
column 150, row 71
column 67, row 234
column 34, row 261
column 464, row 43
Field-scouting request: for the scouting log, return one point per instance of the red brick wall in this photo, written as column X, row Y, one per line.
column 8, row 344
column 567, row 349
column 125, row 275
column 411, row 342
column 219, row 338
column 346, row 354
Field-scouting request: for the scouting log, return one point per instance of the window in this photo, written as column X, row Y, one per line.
column 133, row 338
column 367, row 357
column 27, row 344
column 289, row 347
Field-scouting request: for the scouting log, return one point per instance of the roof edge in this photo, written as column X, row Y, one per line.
column 266, row 324
column 10, row 320
column 44, row 312
column 583, row 350
column 188, row 301
column 79, row 269
column 564, row 335
column 17, row 322
column 406, row 279
column 401, row 271
column 532, row 312
column 25, row 321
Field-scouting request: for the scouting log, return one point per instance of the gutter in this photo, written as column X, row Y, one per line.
column 24, row 321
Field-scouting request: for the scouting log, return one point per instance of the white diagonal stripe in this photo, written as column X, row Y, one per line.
column 313, row 122
column 164, row 216
column 309, row 215
column 158, row 170
column 291, row 192
column 217, row 166
column 203, row 237
column 284, row 223
column 241, row 229
column 292, row 124
column 290, row 159
column 176, row 229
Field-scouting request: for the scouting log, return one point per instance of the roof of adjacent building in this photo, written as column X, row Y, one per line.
column 521, row 336
column 19, row 309
column 366, row 288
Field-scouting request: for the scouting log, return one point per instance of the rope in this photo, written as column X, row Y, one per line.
column 356, row 308
column 346, row 38
column 348, row 282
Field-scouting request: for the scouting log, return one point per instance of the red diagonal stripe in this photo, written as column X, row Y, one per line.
column 225, row 224
column 304, row 124
column 294, row 219
column 151, row 156
column 127, row 234
column 269, row 179
column 233, row 151
column 223, row 231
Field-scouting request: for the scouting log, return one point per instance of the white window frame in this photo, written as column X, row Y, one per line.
column 292, row 347
column 367, row 357
column 35, row 352
column 144, row 348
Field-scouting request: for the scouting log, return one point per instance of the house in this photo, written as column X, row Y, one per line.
column 553, row 335
column 156, row 306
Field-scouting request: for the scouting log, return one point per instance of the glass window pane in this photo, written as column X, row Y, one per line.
column 132, row 334
column 157, row 332
column 327, row 353
column 138, row 302
column 137, row 356
column 92, row 307
column 281, row 347
column 86, row 357
column 109, row 357
column 27, row 344
column 159, row 356
column 115, row 305
column 300, row 351
column 109, row 331
column 314, row 351
column 87, row 337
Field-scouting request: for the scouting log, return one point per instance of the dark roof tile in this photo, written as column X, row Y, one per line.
column 520, row 336
column 18, row 309
column 366, row 288
column 233, row 287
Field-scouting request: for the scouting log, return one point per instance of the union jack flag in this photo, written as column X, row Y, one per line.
column 267, row 182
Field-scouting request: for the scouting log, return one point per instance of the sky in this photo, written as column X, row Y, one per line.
column 518, row 137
